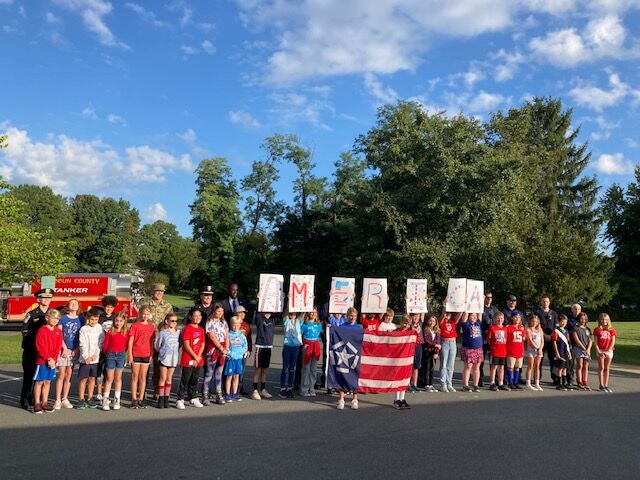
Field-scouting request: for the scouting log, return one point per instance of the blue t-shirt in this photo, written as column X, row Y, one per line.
column 71, row 331
column 351, row 325
column 237, row 345
column 311, row 330
column 472, row 334
column 337, row 320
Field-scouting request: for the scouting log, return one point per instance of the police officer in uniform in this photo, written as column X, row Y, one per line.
column 32, row 322
column 205, row 305
column 160, row 308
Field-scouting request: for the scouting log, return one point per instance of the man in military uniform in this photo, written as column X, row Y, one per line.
column 32, row 322
column 159, row 309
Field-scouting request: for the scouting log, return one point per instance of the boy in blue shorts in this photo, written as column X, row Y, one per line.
column 233, row 365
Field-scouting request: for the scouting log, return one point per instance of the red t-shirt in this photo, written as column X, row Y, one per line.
column 48, row 344
column 115, row 342
column 515, row 341
column 498, row 341
column 370, row 322
column 194, row 335
column 142, row 338
column 604, row 337
column 448, row 329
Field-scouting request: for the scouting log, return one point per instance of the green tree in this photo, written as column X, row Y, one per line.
column 622, row 212
column 215, row 218
column 24, row 252
column 262, row 209
column 181, row 261
column 106, row 232
column 152, row 242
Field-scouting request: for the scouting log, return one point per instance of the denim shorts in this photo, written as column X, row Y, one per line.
column 115, row 360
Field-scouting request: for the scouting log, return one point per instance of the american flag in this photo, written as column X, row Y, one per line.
column 370, row 362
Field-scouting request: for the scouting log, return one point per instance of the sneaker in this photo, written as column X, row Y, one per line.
column 99, row 397
column 516, row 386
column 256, row 395
column 142, row 404
column 307, row 394
column 451, row 389
column 531, row 387
column 105, row 405
column 195, row 402
column 206, row 401
column 493, row 387
column 397, row 405
column 37, row 409
column 66, row 403
column 180, row 404
column 586, row 387
column 57, row 405
column 265, row 394
column 134, row 405
column 312, row 393
column 475, row 388
column 47, row 408
column 116, row 403
column 283, row 393
column 411, row 389
column 405, row 405
column 237, row 397
column 340, row 404
column 603, row 388
column 560, row 387
column 92, row 404
column 466, row 388
column 220, row 399
column 444, row 389
column 228, row 398
column 504, row 388
column 354, row 404
column 81, row 405
column 539, row 388
column 290, row 394
column 608, row 390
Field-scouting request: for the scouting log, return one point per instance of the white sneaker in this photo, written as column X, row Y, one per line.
column 180, row 404
column 539, row 388
column 340, row 404
column 307, row 394
column 105, row 404
column 116, row 403
column 265, row 394
column 99, row 397
column 196, row 403
column 312, row 393
column 354, row 404
column 57, row 405
column 531, row 387
column 256, row 395
column 451, row 389
column 444, row 389
column 66, row 403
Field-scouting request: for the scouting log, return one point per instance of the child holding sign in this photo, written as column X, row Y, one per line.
column 448, row 334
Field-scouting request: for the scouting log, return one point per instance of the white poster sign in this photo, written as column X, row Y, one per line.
column 343, row 291
column 271, row 294
column 475, row 296
column 416, row 295
column 301, row 288
column 456, row 295
column 374, row 295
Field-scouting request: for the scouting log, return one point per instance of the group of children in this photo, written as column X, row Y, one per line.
column 101, row 343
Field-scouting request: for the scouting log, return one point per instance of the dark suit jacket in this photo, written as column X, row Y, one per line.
column 228, row 309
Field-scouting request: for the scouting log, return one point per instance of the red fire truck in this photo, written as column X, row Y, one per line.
column 87, row 288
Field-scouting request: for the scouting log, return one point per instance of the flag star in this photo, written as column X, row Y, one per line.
column 343, row 357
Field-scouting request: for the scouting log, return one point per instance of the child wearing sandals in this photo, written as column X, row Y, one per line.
column 582, row 343
column 605, row 343
column 535, row 343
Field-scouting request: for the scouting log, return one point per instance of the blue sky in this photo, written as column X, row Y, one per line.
column 125, row 98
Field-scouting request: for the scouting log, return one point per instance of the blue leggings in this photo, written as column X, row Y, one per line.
column 214, row 370
column 289, row 360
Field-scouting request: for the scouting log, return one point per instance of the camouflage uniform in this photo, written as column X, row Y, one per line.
column 159, row 310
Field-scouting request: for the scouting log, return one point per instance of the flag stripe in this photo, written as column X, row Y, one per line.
column 389, row 338
column 391, row 362
column 370, row 349
column 365, row 382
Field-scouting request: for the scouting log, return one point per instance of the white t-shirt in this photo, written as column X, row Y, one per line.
column 387, row 327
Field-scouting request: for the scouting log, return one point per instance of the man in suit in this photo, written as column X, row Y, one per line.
column 231, row 302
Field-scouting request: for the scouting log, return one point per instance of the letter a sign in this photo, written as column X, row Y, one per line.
column 301, row 293
column 374, row 295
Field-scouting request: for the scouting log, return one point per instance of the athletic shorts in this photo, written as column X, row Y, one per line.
column 513, row 362
column 233, row 366
column 70, row 361
column 532, row 353
column 498, row 361
column 417, row 357
column 608, row 354
column 44, row 373
column 143, row 360
column 472, row 355
column 262, row 357
column 88, row 370
column 579, row 353
column 559, row 363
column 114, row 361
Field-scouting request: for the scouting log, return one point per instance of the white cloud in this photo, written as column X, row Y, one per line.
column 241, row 117
column 61, row 160
column 51, row 18
column 146, row 15
column 6, row 2
column 89, row 112
column 116, row 119
column 485, row 102
column 632, row 143
column 614, row 164
column 188, row 50
column 292, row 108
column 189, row 136
column 603, row 37
column 155, row 212
column 208, row 47
column 378, row 91
column 508, row 64
column 596, row 98
column 605, row 126
column 92, row 13
column 554, row 7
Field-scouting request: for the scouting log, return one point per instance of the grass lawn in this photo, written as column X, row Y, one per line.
column 627, row 343
column 179, row 301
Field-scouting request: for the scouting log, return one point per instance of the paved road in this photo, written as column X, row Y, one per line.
column 524, row 434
